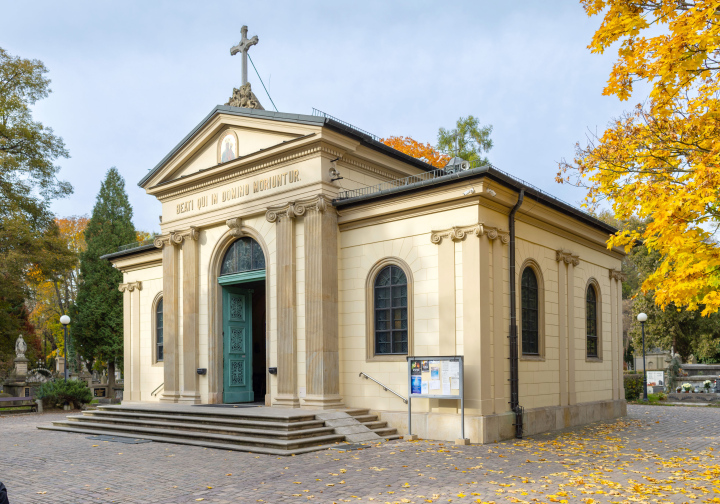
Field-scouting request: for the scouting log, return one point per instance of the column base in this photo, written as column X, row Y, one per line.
column 169, row 397
column 287, row 401
column 189, row 398
column 323, row 402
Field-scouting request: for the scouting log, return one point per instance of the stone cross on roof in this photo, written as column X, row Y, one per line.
column 242, row 47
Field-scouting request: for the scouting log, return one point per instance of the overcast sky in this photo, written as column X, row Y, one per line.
column 130, row 79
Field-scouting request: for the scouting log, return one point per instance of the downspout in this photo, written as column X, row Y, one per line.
column 514, row 375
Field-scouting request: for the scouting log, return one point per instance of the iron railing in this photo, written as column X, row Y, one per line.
column 153, row 393
column 320, row 113
column 137, row 244
column 386, row 388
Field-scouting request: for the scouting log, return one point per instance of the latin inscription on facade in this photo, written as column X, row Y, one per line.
column 239, row 191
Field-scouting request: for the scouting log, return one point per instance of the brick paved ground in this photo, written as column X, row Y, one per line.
column 657, row 454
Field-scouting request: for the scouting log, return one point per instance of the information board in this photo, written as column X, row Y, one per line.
column 435, row 377
column 655, row 378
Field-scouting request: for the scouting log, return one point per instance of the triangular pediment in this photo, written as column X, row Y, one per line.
column 229, row 135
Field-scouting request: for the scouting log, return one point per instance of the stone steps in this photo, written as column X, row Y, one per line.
column 273, row 431
column 371, row 421
column 260, row 430
column 201, row 443
column 256, row 430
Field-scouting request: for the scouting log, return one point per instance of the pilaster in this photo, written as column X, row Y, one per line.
column 171, row 363
column 127, row 341
column 500, row 344
column 616, row 280
column 571, row 260
column 284, row 217
column 188, row 240
column 562, row 331
column 321, row 303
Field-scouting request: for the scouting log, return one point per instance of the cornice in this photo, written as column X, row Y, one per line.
column 244, row 170
column 458, row 233
column 130, row 286
column 567, row 256
column 367, row 167
column 617, row 275
column 290, row 210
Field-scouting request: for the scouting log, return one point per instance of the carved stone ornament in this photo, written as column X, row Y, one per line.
column 130, row 286
column 176, row 237
column 494, row 233
column 20, row 347
column 567, row 256
column 456, row 233
column 235, row 225
column 299, row 208
column 189, row 234
column 617, row 275
column 245, row 98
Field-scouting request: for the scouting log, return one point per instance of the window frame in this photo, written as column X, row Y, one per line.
column 370, row 310
column 535, row 267
column 158, row 299
column 592, row 283
column 230, row 248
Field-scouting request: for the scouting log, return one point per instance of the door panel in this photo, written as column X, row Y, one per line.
column 237, row 345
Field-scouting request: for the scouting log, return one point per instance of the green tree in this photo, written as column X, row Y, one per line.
column 98, row 310
column 28, row 182
column 467, row 140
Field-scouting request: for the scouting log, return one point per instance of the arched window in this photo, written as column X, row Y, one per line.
column 244, row 254
column 529, row 298
column 159, row 330
column 591, row 321
column 391, row 311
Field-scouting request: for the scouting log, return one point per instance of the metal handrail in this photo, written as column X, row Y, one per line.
column 387, row 389
column 320, row 113
column 158, row 388
column 136, row 244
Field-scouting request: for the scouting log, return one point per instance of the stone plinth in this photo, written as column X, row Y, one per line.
column 21, row 366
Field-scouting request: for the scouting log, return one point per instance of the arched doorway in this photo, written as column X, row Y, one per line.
column 242, row 280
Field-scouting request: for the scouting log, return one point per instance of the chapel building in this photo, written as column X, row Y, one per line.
column 298, row 255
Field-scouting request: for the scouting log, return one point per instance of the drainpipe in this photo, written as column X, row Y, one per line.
column 514, row 379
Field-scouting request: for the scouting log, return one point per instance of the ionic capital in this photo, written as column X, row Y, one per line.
column 567, row 256
column 319, row 203
column 162, row 240
column 456, row 233
column 617, row 275
column 493, row 233
column 191, row 234
column 130, row 286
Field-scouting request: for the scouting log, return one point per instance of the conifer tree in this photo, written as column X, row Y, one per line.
column 98, row 325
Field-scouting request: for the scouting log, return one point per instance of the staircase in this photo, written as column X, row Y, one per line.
column 371, row 421
column 272, row 431
column 242, row 429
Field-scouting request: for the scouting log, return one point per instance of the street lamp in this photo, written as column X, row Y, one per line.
column 642, row 318
column 65, row 320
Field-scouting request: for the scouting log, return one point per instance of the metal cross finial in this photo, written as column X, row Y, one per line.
column 243, row 46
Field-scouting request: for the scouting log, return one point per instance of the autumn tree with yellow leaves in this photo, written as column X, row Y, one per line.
column 661, row 160
column 418, row 150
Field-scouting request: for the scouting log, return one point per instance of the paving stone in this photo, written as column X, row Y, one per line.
column 71, row 468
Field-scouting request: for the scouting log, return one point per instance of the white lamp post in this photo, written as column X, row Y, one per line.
column 65, row 320
column 642, row 318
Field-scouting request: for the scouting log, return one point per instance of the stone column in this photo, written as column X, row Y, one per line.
column 171, row 364
column 127, row 341
column 284, row 217
column 613, row 335
column 562, row 330
column 616, row 286
column 321, row 304
column 571, row 260
column 190, row 304
column 135, row 289
column 500, row 353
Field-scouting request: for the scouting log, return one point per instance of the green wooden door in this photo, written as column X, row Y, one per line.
column 237, row 345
